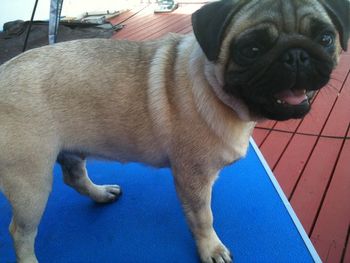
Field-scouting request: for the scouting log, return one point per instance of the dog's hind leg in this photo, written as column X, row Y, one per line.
column 27, row 182
column 75, row 175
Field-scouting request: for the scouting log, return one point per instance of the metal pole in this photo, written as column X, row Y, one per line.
column 30, row 26
column 55, row 14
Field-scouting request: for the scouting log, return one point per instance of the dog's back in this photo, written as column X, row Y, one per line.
column 80, row 93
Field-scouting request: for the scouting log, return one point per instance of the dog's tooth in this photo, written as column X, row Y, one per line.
column 279, row 101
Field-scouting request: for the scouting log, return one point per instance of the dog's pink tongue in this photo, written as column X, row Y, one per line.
column 292, row 97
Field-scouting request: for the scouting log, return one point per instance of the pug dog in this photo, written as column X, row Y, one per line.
column 189, row 102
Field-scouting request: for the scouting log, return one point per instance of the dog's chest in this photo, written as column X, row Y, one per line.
column 235, row 151
column 235, row 143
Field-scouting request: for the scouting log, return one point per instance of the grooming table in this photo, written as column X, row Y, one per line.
column 252, row 217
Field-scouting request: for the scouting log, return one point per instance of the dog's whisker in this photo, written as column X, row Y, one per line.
column 333, row 88
column 335, row 79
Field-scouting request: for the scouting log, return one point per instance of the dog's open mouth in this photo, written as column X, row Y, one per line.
column 292, row 97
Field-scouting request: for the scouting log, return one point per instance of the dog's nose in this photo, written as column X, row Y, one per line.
column 296, row 58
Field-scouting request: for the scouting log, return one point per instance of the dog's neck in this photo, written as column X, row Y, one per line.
column 226, row 117
column 215, row 79
column 214, row 75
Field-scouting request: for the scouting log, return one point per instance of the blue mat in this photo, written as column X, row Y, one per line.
column 147, row 224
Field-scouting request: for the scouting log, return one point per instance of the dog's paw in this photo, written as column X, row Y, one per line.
column 217, row 253
column 29, row 259
column 106, row 193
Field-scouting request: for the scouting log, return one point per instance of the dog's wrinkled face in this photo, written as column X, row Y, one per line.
column 273, row 66
column 275, row 54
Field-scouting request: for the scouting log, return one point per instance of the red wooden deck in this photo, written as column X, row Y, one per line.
column 310, row 158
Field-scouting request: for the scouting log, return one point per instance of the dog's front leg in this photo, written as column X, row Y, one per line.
column 194, row 189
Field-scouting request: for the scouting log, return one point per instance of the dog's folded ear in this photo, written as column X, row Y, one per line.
column 210, row 22
column 339, row 12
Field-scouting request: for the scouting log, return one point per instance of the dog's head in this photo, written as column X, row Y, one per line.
column 272, row 55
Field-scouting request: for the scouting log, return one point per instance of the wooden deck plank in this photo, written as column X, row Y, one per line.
column 276, row 141
column 290, row 125
column 156, row 25
column 347, row 254
column 314, row 121
column 342, row 70
column 292, row 163
column 178, row 22
column 343, row 67
column 127, row 15
column 185, row 30
column 153, row 25
column 136, row 22
column 259, row 135
column 144, row 21
column 339, row 119
column 306, row 199
column 147, row 23
column 335, row 85
column 267, row 124
column 326, row 98
column 330, row 232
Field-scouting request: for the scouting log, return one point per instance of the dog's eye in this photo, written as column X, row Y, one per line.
column 251, row 52
column 327, row 40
